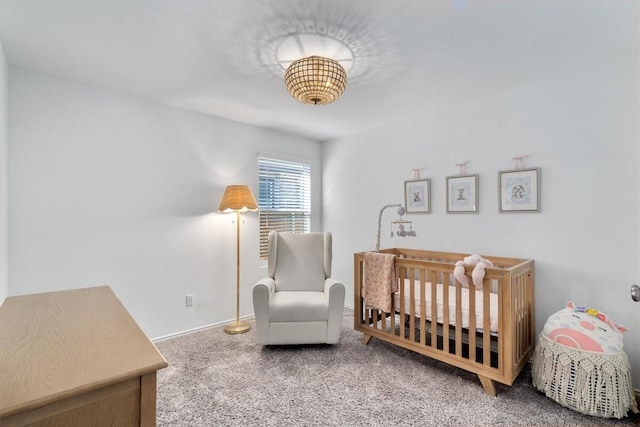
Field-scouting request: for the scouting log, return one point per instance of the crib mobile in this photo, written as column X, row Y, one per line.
column 401, row 224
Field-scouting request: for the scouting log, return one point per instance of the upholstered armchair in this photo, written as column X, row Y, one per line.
column 299, row 302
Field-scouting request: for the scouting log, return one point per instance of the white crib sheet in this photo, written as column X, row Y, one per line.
column 493, row 304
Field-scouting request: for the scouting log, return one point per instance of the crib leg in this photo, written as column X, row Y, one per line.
column 488, row 385
column 366, row 339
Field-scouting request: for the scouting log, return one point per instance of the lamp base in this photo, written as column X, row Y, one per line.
column 237, row 328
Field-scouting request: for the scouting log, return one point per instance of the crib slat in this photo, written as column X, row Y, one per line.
column 519, row 310
column 486, row 326
column 472, row 324
column 412, row 305
column 394, row 308
column 458, row 319
column 402, row 273
column 433, row 278
column 423, row 309
column 445, row 320
column 506, row 354
column 383, row 321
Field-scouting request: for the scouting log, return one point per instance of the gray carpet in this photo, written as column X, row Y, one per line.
column 216, row 379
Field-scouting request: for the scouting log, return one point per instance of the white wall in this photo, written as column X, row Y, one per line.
column 107, row 189
column 582, row 130
column 4, row 72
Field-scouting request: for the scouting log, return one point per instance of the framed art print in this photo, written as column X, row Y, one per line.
column 519, row 190
column 417, row 196
column 462, row 194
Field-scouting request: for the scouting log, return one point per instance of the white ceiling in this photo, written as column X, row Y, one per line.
column 412, row 56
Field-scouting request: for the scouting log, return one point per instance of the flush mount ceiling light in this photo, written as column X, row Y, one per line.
column 315, row 80
column 336, row 30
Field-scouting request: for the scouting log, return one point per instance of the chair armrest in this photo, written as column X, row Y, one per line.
column 334, row 290
column 262, row 292
column 268, row 282
column 332, row 285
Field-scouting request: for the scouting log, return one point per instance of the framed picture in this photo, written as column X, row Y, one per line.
column 519, row 190
column 417, row 196
column 462, row 194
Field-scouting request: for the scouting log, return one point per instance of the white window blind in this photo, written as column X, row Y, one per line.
column 285, row 198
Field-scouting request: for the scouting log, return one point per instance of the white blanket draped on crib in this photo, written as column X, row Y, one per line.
column 479, row 304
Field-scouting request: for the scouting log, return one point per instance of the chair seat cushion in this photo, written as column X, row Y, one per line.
column 298, row 306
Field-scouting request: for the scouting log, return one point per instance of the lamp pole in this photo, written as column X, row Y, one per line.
column 239, row 327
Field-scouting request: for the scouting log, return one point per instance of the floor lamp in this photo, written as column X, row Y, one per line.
column 237, row 198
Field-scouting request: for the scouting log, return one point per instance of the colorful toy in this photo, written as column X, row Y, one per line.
column 584, row 328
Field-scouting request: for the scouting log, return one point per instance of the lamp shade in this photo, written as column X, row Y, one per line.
column 315, row 80
column 238, row 198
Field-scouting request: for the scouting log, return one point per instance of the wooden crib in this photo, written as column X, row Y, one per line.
column 489, row 332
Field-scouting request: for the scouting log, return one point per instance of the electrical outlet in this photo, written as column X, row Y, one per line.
column 189, row 300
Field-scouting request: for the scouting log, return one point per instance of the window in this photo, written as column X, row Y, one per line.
column 285, row 198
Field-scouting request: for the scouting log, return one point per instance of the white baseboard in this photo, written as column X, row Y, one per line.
column 200, row 328
column 213, row 325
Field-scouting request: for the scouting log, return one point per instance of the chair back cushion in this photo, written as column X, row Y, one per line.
column 299, row 261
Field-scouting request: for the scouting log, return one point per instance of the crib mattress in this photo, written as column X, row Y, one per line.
column 479, row 304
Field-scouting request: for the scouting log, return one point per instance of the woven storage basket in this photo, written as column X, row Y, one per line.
column 593, row 383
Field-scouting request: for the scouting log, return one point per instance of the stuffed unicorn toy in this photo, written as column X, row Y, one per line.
column 477, row 275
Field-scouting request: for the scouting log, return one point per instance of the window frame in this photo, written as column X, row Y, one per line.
column 284, row 197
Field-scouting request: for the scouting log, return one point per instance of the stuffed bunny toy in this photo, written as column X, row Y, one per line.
column 479, row 263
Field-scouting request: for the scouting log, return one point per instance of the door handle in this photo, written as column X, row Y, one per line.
column 635, row 293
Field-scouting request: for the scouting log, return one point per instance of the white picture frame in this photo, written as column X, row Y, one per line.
column 462, row 194
column 519, row 190
column 417, row 196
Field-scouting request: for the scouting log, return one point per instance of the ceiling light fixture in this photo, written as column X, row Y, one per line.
column 315, row 80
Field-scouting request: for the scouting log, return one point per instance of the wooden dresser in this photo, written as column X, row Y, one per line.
column 75, row 358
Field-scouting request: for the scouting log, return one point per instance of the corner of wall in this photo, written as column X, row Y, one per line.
column 4, row 137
